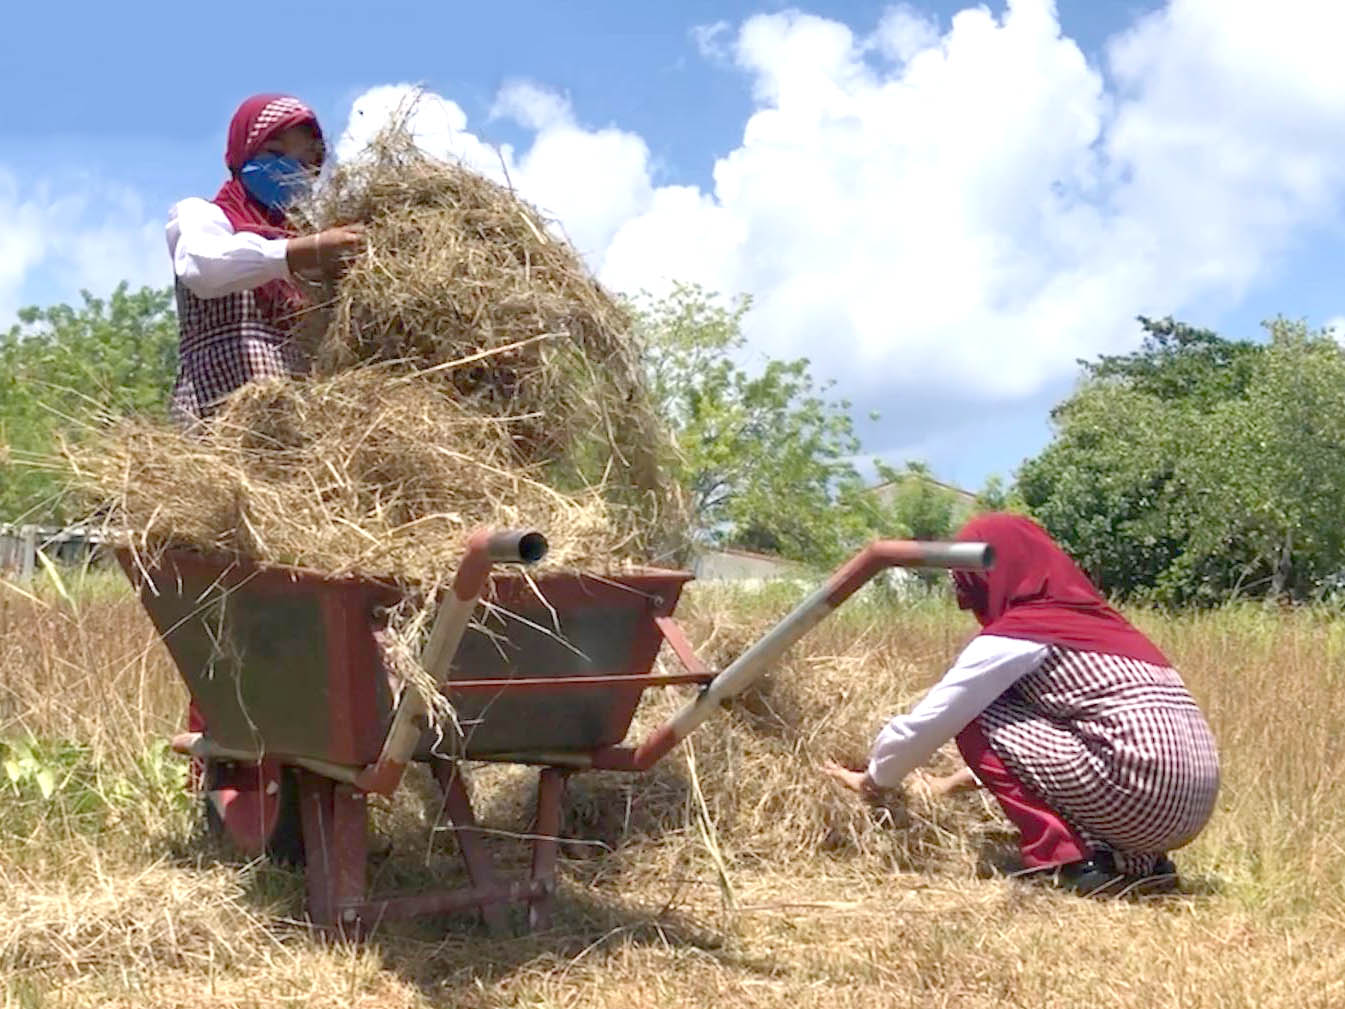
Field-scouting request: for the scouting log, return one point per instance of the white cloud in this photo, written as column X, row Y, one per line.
column 988, row 209
column 713, row 41
column 438, row 125
column 79, row 233
column 965, row 213
column 903, row 32
column 706, row 246
column 591, row 181
column 22, row 243
column 532, row 106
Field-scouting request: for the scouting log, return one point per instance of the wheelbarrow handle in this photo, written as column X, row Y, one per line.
column 485, row 548
column 739, row 674
column 883, row 554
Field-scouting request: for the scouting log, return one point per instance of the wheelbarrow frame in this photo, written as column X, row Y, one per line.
column 333, row 792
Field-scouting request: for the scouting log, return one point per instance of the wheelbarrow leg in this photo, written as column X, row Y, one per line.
column 550, row 789
column 335, row 826
column 475, row 854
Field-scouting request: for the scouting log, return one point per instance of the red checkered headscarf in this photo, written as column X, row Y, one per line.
column 1036, row 593
column 257, row 120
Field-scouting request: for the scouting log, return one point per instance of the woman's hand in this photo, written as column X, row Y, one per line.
column 853, row 780
column 327, row 251
column 961, row 780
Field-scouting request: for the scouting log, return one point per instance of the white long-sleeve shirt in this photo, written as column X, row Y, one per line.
column 214, row 260
column 986, row 668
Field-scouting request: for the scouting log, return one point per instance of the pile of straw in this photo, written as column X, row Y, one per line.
column 463, row 284
column 360, row 473
column 751, row 773
column 466, row 370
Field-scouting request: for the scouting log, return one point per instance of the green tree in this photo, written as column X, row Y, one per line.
column 916, row 504
column 63, row 363
column 1178, row 362
column 1267, row 469
column 765, row 458
column 995, row 496
column 1200, row 468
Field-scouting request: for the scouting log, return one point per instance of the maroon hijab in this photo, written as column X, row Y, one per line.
column 257, row 120
column 1036, row 593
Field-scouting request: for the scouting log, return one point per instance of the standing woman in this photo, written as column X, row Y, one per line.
column 235, row 259
column 1072, row 719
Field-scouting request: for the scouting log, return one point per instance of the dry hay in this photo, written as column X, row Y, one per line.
column 466, row 285
column 160, row 917
column 467, row 371
column 364, row 472
column 827, row 701
column 1260, row 925
column 749, row 776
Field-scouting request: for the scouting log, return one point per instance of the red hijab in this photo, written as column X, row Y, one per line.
column 1036, row 593
column 257, row 120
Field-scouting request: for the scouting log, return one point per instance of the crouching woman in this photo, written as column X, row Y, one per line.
column 1070, row 717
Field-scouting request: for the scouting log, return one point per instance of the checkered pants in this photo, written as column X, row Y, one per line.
column 1116, row 746
column 225, row 343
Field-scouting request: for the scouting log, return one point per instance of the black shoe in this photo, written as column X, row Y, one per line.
column 1090, row 877
column 1098, row 877
column 1161, row 879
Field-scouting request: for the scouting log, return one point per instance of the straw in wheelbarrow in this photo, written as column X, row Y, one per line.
column 366, row 472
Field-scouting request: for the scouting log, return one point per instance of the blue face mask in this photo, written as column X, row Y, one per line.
column 275, row 181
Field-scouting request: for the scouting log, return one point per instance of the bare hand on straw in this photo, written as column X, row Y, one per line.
column 853, row 780
column 326, row 251
column 939, row 787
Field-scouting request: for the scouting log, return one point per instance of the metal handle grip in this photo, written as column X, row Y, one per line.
column 516, row 546
column 961, row 556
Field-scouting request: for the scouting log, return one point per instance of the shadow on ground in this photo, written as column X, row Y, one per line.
column 998, row 857
column 610, row 820
column 607, row 817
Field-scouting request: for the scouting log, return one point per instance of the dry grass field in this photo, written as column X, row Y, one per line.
column 733, row 875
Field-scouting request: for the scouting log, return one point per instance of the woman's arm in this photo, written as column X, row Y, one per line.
column 985, row 669
column 213, row 260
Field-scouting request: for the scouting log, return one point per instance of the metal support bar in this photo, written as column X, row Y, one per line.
column 531, row 683
column 677, row 640
column 575, row 761
column 545, row 845
column 198, row 744
column 315, row 813
column 350, row 838
column 475, row 855
column 335, row 831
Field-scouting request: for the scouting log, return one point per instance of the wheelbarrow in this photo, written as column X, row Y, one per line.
column 286, row 668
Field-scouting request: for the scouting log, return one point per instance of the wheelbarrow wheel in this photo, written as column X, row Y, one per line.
column 285, row 845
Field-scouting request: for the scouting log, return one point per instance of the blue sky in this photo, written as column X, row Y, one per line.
column 941, row 208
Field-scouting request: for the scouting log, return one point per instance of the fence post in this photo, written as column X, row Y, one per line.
column 28, row 554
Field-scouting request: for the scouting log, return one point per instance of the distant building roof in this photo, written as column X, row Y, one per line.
column 962, row 494
column 733, row 564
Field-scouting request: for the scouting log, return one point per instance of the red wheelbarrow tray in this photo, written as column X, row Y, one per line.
column 285, row 663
